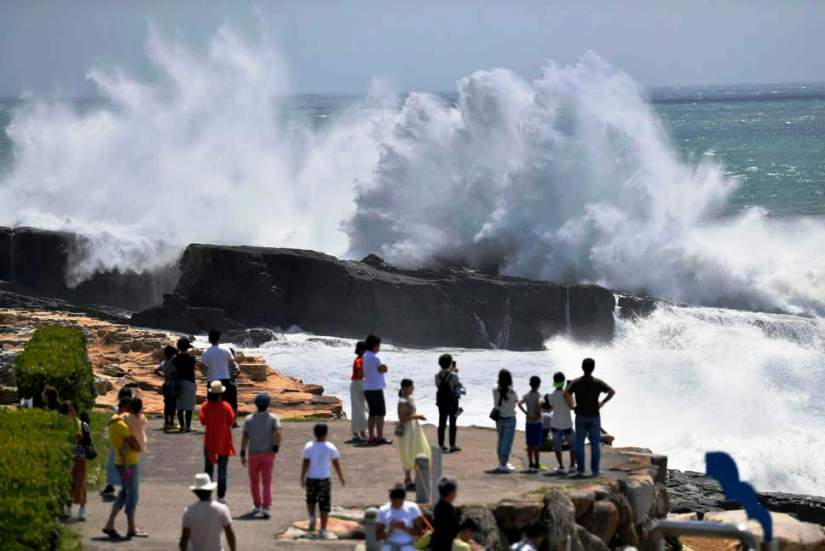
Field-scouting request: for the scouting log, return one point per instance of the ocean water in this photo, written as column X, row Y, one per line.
column 709, row 197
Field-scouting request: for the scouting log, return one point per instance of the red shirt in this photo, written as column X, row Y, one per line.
column 218, row 419
column 358, row 369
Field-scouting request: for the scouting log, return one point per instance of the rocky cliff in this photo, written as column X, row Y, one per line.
column 228, row 286
column 37, row 262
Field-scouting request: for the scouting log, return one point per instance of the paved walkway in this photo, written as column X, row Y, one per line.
column 168, row 468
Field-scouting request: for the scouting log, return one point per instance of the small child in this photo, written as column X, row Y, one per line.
column 561, row 425
column 530, row 404
column 315, row 476
column 137, row 426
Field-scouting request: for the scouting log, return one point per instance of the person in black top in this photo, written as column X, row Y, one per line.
column 445, row 518
column 184, row 364
column 448, row 388
column 586, row 390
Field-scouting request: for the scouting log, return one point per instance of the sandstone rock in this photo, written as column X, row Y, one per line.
column 790, row 533
column 683, row 516
column 627, row 534
column 605, row 520
column 103, row 386
column 582, row 499
column 640, row 492
column 256, row 372
column 588, row 541
column 344, row 529
column 559, row 515
column 513, row 516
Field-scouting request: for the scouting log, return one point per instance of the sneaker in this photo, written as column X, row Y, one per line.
column 266, row 513
column 576, row 475
column 311, row 526
column 455, row 449
column 107, row 491
column 322, row 534
column 510, row 467
column 257, row 511
column 81, row 514
column 67, row 511
column 571, row 470
column 596, row 474
column 222, row 500
column 503, row 469
column 562, row 471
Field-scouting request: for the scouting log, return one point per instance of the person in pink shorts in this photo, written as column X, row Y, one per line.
column 262, row 437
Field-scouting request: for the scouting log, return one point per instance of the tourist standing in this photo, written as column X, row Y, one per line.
column 315, row 476
column 184, row 364
column 445, row 517
column 374, row 384
column 169, row 388
column 83, row 439
column 412, row 442
column 217, row 417
column 127, row 459
column 446, row 399
column 262, row 436
column 356, row 394
column 587, row 390
column 220, row 364
column 112, row 474
column 504, row 413
column 561, row 423
column 205, row 520
column 530, row 404
column 137, row 423
column 399, row 522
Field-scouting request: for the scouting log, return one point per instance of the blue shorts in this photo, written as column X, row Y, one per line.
column 534, row 434
column 567, row 434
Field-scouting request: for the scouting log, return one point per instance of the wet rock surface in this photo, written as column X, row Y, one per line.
column 268, row 287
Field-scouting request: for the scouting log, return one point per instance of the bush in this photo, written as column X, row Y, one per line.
column 56, row 356
column 35, row 476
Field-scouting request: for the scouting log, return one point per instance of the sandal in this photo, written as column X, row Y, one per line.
column 112, row 533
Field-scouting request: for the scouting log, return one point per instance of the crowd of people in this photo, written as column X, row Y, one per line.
column 400, row 523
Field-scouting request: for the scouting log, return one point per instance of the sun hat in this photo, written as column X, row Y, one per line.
column 203, row 482
column 263, row 399
column 216, row 387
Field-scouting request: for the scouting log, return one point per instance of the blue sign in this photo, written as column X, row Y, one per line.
column 722, row 467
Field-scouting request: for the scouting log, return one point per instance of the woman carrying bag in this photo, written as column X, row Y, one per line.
column 412, row 441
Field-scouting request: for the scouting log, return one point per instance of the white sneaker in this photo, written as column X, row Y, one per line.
column 256, row 511
column 311, row 527
column 322, row 535
column 510, row 467
column 503, row 469
column 266, row 513
column 81, row 514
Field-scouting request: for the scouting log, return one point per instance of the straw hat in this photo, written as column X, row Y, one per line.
column 203, row 482
column 216, row 387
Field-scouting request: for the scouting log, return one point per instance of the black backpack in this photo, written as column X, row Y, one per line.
column 445, row 397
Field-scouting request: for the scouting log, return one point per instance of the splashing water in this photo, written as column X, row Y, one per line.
column 688, row 380
column 568, row 177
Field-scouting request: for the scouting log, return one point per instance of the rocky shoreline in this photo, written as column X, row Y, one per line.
column 122, row 355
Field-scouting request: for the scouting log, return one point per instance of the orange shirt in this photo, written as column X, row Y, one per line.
column 218, row 419
column 358, row 369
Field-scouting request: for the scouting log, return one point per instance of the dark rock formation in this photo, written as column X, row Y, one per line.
column 38, row 261
column 696, row 492
column 631, row 307
column 319, row 293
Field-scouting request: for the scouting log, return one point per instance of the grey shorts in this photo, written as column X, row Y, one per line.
column 569, row 435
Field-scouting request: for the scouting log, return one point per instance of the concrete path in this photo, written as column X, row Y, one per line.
column 169, row 466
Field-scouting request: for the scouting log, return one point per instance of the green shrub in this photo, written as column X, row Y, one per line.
column 56, row 356
column 96, row 468
column 35, row 476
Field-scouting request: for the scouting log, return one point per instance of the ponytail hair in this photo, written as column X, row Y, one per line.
column 404, row 384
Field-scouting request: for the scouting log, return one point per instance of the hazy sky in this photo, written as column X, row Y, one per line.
column 337, row 46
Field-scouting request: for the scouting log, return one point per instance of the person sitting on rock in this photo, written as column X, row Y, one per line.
column 399, row 522
column 533, row 538
column 204, row 521
column 466, row 537
column 586, row 390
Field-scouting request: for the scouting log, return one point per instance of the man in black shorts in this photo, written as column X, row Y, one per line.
column 374, row 370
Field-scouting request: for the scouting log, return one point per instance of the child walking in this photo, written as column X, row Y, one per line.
column 561, row 425
column 530, row 404
column 315, row 476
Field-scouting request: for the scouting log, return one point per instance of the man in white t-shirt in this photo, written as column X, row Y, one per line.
column 561, row 424
column 399, row 522
column 315, row 476
column 204, row 521
column 221, row 366
column 374, row 370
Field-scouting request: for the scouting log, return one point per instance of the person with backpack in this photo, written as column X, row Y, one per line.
column 448, row 389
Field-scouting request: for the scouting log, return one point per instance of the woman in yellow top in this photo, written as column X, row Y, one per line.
column 413, row 442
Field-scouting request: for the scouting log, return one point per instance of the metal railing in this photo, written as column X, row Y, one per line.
column 708, row 530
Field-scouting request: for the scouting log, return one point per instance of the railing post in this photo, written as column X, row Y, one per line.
column 422, row 479
column 370, row 539
column 435, row 474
